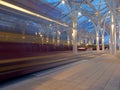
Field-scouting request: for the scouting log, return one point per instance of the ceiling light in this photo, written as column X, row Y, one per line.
column 79, row 14
column 89, row 20
column 63, row 1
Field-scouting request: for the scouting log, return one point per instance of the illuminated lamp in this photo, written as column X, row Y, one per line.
column 63, row 1
column 79, row 13
column 89, row 20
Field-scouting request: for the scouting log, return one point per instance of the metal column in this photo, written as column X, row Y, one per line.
column 113, row 35
column 103, row 46
column 97, row 40
column 74, row 35
column 58, row 37
column 119, row 36
column 68, row 40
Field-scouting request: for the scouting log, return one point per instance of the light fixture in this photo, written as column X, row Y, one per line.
column 89, row 20
column 9, row 5
column 63, row 1
column 79, row 14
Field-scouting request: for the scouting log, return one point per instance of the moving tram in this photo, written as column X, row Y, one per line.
column 22, row 44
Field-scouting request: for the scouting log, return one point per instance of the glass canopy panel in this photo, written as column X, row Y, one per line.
column 82, row 18
column 78, row 1
column 66, row 19
column 52, row 2
column 105, row 10
column 63, row 8
column 89, row 27
column 86, row 7
column 107, row 39
column 95, row 3
column 108, row 20
column 103, row 6
column 99, row 4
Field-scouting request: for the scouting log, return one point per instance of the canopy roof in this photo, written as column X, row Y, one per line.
column 87, row 12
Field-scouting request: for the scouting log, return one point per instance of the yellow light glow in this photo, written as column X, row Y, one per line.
column 58, row 41
column 59, row 32
column 72, row 34
column 47, row 40
column 29, row 12
column 68, row 42
column 119, row 8
column 53, row 40
column 97, row 38
column 112, row 19
column 41, row 35
column 112, row 26
column 81, row 42
column 87, row 44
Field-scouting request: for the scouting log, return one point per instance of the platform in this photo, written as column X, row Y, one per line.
column 99, row 73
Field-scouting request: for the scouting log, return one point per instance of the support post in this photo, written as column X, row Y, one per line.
column 53, row 40
column 110, row 48
column 119, row 23
column 103, row 45
column 113, row 36
column 58, row 37
column 97, row 40
column 86, row 41
column 68, row 40
column 119, row 37
column 93, row 41
column 74, row 29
